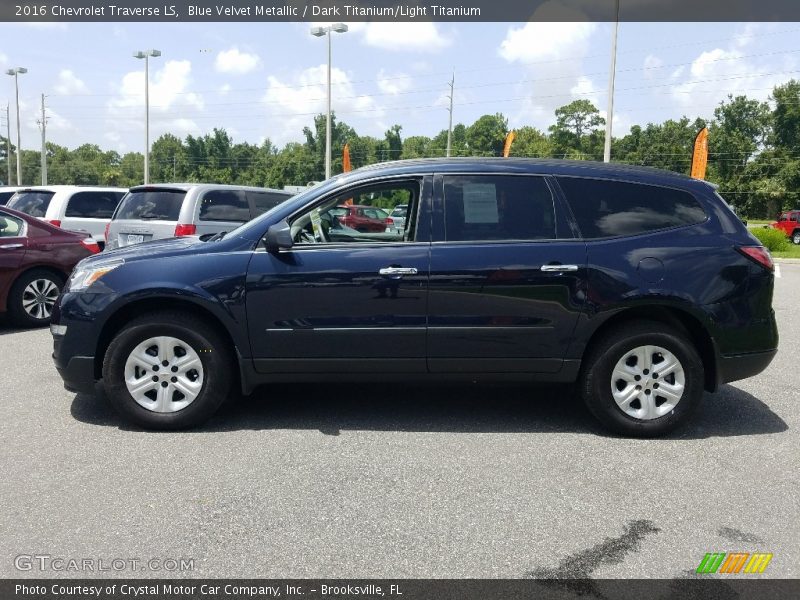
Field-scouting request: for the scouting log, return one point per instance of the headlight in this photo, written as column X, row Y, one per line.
column 84, row 276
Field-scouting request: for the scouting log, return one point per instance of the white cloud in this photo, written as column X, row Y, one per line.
column 291, row 105
column 652, row 64
column 236, row 62
column 716, row 73
column 552, row 55
column 68, row 83
column 393, row 83
column 541, row 41
column 224, row 89
column 168, row 98
column 3, row 59
column 406, row 37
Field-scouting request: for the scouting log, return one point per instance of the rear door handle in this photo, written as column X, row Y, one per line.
column 398, row 271
column 559, row 268
column 10, row 246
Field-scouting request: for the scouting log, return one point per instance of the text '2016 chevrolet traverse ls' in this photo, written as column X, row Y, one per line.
column 641, row 285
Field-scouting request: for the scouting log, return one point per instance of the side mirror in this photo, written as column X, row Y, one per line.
column 278, row 236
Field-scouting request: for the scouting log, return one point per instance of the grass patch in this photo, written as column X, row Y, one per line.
column 758, row 222
column 792, row 252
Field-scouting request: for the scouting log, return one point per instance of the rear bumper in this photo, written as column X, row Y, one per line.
column 741, row 366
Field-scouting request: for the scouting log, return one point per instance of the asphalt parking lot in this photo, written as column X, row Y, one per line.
column 385, row 480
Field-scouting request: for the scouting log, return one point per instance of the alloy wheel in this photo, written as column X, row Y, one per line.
column 38, row 298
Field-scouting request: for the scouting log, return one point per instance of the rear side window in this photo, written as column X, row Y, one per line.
column 264, row 201
column 5, row 197
column 614, row 208
column 10, row 226
column 93, row 205
column 497, row 207
column 224, row 205
column 151, row 205
column 32, row 203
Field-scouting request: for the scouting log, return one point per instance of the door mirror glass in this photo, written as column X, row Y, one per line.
column 279, row 236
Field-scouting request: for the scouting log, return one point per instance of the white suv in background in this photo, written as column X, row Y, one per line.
column 74, row 207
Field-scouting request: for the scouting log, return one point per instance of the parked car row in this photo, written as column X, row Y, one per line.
column 46, row 230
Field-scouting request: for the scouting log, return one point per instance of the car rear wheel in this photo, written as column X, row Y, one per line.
column 32, row 297
column 796, row 237
column 643, row 379
column 167, row 370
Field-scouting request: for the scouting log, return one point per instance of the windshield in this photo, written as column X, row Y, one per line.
column 33, row 203
column 151, row 205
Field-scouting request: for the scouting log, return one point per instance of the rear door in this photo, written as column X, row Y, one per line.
column 261, row 202
column 507, row 276
column 91, row 211
column 13, row 245
column 145, row 214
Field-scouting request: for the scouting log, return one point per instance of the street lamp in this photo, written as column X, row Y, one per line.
column 15, row 73
column 146, row 54
column 319, row 32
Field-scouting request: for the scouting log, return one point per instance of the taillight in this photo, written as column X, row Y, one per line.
column 181, row 230
column 55, row 222
column 90, row 245
column 105, row 235
column 758, row 254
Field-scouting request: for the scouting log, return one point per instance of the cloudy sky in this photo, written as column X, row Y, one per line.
column 261, row 80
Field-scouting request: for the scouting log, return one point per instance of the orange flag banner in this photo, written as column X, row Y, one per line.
column 507, row 146
column 700, row 155
column 346, row 166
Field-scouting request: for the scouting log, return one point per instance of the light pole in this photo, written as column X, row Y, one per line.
column 319, row 32
column 611, row 76
column 146, row 54
column 15, row 73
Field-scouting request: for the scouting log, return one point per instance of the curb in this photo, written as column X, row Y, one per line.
column 791, row 261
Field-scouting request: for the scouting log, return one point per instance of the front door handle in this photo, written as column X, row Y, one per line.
column 559, row 268
column 10, row 246
column 397, row 271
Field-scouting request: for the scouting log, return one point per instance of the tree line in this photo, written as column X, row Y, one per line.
column 754, row 151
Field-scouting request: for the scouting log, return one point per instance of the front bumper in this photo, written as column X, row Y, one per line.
column 78, row 374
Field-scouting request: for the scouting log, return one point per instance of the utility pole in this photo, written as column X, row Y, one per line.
column 611, row 77
column 43, row 124
column 450, row 125
column 8, row 142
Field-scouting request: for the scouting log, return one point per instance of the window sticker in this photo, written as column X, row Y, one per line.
column 480, row 203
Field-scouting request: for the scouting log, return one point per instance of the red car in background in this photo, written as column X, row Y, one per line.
column 366, row 219
column 36, row 259
column 789, row 223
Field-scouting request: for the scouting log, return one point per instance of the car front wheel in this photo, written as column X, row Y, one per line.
column 167, row 370
column 644, row 379
column 31, row 300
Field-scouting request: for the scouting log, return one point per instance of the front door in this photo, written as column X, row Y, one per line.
column 343, row 300
column 507, row 276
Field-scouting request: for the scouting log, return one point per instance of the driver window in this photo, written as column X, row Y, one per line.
column 365, row 214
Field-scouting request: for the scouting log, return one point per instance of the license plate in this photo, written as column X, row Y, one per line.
column 135, row 239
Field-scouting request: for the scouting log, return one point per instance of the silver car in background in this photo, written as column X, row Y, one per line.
column 165, row 210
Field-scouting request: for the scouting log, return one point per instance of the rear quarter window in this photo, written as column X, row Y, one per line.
column 32, row 203
column 604, row 208
column 151, row 205
column 264, row 201
column 93, row 205
column 224, row 205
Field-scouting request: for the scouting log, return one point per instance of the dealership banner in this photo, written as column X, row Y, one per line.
column 388, row 10
column 397, row 589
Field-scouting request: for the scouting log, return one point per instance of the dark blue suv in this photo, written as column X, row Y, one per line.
column 641, row 285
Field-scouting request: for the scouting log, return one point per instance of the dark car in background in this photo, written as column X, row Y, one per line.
column 35, row 260
column 6, row 193
column 640, row 285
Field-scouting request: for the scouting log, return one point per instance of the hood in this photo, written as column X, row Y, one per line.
column 153, row 249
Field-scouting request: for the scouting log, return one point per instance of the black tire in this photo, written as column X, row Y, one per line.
column 796, row 237
column 16, row 311
column 214, row 354
column 596, row 377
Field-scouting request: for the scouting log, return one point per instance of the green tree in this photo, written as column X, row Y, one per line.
column 531, row 142
column 577, row 128
column 486, row 136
